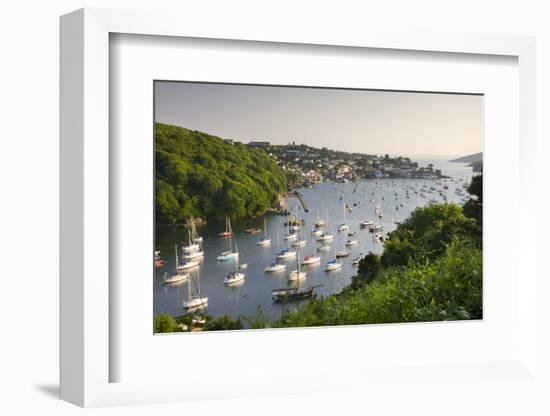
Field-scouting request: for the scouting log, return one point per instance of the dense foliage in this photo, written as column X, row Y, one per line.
column 426, row 233
column 165, row 323
column 474, row 207
column 199, row 175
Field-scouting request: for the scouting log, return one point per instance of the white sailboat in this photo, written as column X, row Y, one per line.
column 290, row 235
column 297, row 274
column 231, row 254
column 299, row 243
column 311, row 259
column 333, row 264
column 192, row 245
column 264, row 241
column 196, row 237
column 287, row 253
column 320, row 222
column 176, row 277
column 325, row 236
column 236, row 276
column 194, row 301
column 186, row 264
column 366, row 224
column 275, row 267
column 357, row 259
column 317, row 232
column 343, row 226
column 196, row 252
column 227, row 231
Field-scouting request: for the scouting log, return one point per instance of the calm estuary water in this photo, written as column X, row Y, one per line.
column 329, row 197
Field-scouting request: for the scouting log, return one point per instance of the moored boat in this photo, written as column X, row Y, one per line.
column 275, row 267
column 311, row 259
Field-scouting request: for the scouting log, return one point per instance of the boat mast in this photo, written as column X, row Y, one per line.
column 189, row 279
column 177, row 262
column 298, row 264
column 231, row 237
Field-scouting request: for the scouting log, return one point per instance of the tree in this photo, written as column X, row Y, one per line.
column 165, row 323
column 426, row 233
column 369, row 266
column 199, row 175
column 473, row 208
column 224, row 323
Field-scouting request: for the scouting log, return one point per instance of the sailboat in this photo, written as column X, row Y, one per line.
column 297, row 274
column 227, row 231
column 194, row 301
column 291, row 234
column 343, row 226
column 176, row 277
column 229, row 254
column 325, row 236
column 286, row 253
column 316, row 232
column 299, row 243
column 196, row 237
column 333, row 264
column 187, row 263
column 311, row 259
column 366, row 224
column 196, row 253
column 275, row 267
column 264, row 241
column 193, row 244
column 357, row 259
column 288, row 294
column 320, row 222
column 235, row 276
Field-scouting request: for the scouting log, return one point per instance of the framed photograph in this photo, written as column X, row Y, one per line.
column 271, row 214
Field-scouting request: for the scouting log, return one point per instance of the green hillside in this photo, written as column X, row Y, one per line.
column 199, row 175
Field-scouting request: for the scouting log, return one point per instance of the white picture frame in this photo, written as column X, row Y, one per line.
column 86, row 353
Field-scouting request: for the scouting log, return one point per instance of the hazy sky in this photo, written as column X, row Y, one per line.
column 375, row 122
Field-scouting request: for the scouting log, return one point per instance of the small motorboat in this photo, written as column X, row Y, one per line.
column 343, row 227
column 233, row 277
column 264, row 241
